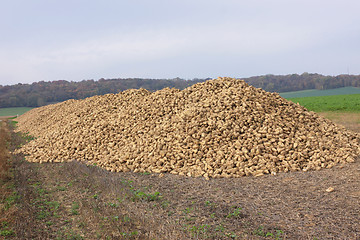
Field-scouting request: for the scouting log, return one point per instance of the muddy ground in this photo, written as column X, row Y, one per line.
column 75, row 201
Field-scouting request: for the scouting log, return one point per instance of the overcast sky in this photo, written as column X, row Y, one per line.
column 76, row 39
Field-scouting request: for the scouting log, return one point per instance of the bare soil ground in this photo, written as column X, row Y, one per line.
column 75, row 201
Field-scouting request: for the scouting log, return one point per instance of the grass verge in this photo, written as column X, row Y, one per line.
column 8, row 195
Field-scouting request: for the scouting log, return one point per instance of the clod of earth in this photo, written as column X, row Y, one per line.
column 219, row 128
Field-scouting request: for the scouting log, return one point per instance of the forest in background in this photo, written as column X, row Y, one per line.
column 43, row 93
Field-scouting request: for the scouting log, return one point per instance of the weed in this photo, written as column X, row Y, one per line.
column 61, row 188
column 27, row 137
column 231, row 235
column 138, row 194
column 49, row 223
column 260, row 232
column 10, row 200
column 278, row 234
column 95, row 196
column 82, row 224
column 71, row 235
column 36, row 184
column 219, row 228
column 188, row 210
column 198, row 230
column 54, row 205
column 235, row 213
column 42, row 191
column 75, row 208
column 153, row 197
column 46, row 208
column 129, row 235
column 126, row 218
column 113, row 205
column 11, row 186
column 42, row 214
column 165, row 204
column 4, row 230
column 13, row 124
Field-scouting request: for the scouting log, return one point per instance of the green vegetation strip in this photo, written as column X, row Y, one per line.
column 345, row 103
column 14, row 111
column 321, row 93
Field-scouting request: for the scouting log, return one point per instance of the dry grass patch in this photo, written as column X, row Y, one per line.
column 350, row 121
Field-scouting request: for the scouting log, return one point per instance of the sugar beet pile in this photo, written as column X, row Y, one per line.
column 219, row 128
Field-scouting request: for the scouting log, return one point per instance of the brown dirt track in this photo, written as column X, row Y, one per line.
column 293, row 205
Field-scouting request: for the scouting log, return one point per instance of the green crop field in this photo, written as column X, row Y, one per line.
column 318, row 93
column 14, row 111
column 345, row 103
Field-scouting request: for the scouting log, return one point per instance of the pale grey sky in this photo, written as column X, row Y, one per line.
column 77, row 39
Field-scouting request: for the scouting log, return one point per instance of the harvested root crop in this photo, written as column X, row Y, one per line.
column 219, row 128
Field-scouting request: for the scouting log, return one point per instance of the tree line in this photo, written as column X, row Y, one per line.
column 305, row 81
column 43, row 93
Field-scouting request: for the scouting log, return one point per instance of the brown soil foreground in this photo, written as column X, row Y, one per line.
column 75, row 201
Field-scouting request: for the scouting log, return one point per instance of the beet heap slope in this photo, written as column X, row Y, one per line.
column 219, row 128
